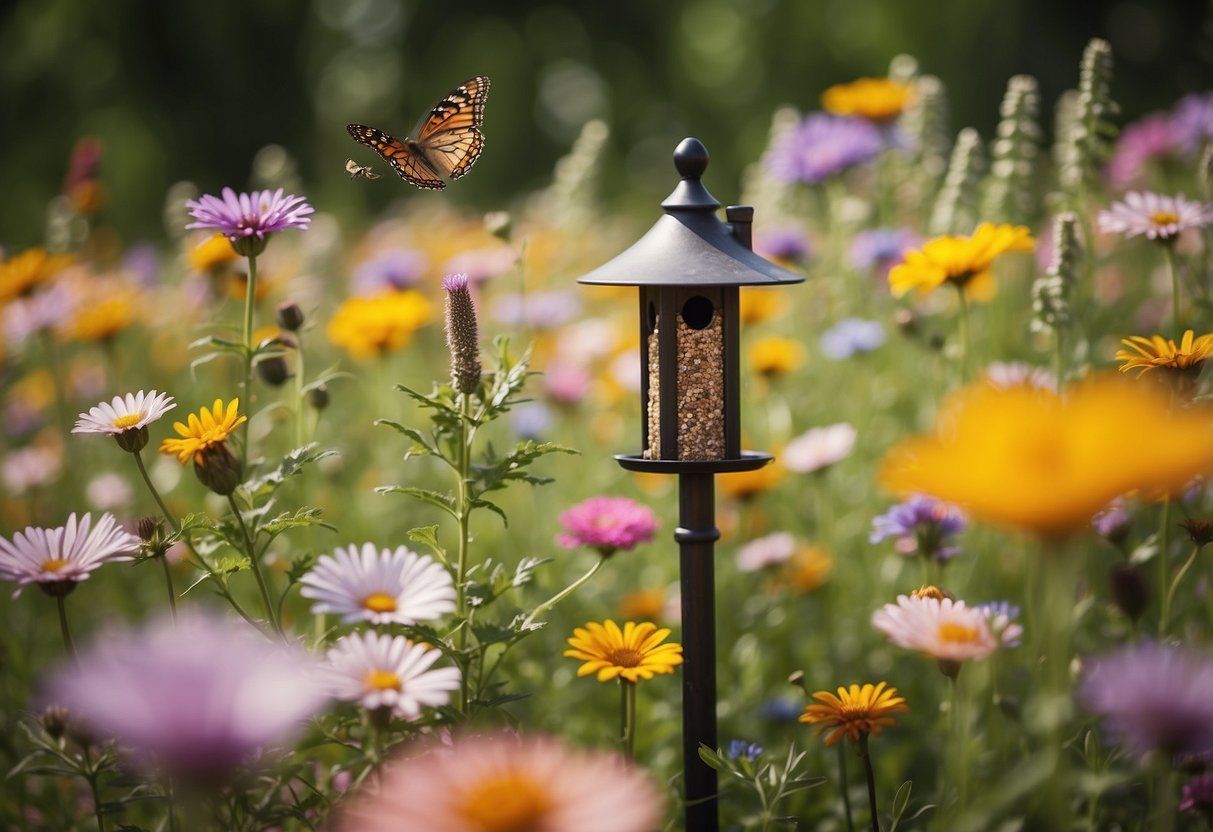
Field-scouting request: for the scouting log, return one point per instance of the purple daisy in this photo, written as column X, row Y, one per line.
column 1192, row 121
column 921, row 525
column 851, row 336
column 246, row 219
column 1153, row 697
column 821, row 146
column 786, row 243
column 607, row 524
column 198, row 697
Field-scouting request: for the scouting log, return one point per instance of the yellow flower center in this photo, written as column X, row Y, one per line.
column 380, row 602
column 508, row 802
column 624, row 657
column 53, row 565
column 123, row 422
column 382, row 680
column 957, row 632
column 1164, row 218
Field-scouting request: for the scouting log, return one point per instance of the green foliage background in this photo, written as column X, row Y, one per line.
column 194, row 90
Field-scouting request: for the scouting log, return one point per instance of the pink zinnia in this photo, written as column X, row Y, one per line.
column 607, row 524
column 497, row 783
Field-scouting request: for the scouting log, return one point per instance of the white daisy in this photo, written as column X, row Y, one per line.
column 943, row 629
column 819, row 448
column 125, row 413
column 65, row 555
column 381, row 671
column 1158, row 217
column 379, row 586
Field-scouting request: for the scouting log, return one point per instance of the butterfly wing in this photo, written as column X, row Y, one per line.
column 411, row 166
column 449, row 138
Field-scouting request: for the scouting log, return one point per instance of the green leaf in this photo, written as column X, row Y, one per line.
column 428, row 536
column 493, row 507
column 444, row 501
column 305, row 516
column 291, row 464
column 524, row 573
column 713, row 758
column 422, row 444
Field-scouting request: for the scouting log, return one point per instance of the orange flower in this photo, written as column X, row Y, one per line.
column 855, row 712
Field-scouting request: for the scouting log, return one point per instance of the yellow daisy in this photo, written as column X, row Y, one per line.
column 369, row 327
column 774, row 356
column 634, row 653
column 1046, row 463
column 206, row 429
column 876, row 99
column 963, row 261
column 1155, row 352
column 855, row 712
column 211, row 253
column 20, row 274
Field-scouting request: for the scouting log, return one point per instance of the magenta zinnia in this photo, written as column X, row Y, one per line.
column 607, row 524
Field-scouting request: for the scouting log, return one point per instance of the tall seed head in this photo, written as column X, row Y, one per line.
column 462, row 334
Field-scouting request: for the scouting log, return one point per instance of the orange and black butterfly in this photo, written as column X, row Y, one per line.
column 447, row 141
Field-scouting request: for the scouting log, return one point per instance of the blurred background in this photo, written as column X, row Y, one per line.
column 180, row 91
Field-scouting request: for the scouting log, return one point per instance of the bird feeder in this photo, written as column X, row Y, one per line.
column 690, row 267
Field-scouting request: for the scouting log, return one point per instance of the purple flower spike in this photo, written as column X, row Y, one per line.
column 242, row 216
column 1153, row 697
column 608, row 524
column 921, row 525
column 821, row 146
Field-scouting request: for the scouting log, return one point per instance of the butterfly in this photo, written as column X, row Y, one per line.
column 448, row 140
column 357, row 171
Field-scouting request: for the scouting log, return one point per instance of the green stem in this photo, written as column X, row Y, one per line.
column 68, row 644
column 845, row 787
column 251, row 550
column 960, row 749
column 168, row 585
column 300, row 403
column 962, row 326
column 1059, row 577
column 1164, row 795
column 463, row 510
column 1164, row 580
column 1169, row 599
column 871, row 777
column 627, row 717
column 250, row 299
column 562, row 594
column 168, row 515
column 171, row 802
column 1173, row 268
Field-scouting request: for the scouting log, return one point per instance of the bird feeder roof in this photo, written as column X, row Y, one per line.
column 689, row 245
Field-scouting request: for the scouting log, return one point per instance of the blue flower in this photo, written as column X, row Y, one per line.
column 822, row 146
column 921, row 525
column 742, row 750
column 851, row 336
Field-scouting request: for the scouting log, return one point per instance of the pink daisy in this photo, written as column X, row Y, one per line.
column 946, row 630
column 607, row 524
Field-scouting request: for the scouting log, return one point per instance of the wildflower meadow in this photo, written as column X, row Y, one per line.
column 312, row 523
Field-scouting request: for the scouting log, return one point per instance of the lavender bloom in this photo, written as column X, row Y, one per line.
column 1192, row 121
column 921, row 525
column 851, row 336
column 1112, row 523
column 1153, row 697
column 246, row 219
column 882, row 248
column 1001, row 617
column 391, row 270
column 783, row 244
column 821, row 146
column 199, row 697
column 1152, row 137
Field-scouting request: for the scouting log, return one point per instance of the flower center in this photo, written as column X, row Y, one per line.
column 124, row 422
column 382, row 680
column 624, row 657
column 1164, row 218
column 508, row 802
column 957, row 633
column 380, row 602
column 53, row 565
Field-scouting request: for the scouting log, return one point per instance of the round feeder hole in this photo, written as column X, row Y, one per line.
column 697, row 312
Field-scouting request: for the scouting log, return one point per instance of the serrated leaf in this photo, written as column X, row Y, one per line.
column 292, row 463
column 493, row 507
column 422, row 443
column 300, row 518
column 524, row 572
column 428, row 536
column 444, row 501
column 488, row 634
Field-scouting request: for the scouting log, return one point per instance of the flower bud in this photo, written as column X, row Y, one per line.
column 462, row 334
column 499, row 224
column 1130, row 592
column 53, row 720
column 218, row 469
column 1199, row 531
column 273, row 370
column 318, row 397
column 289, row 316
